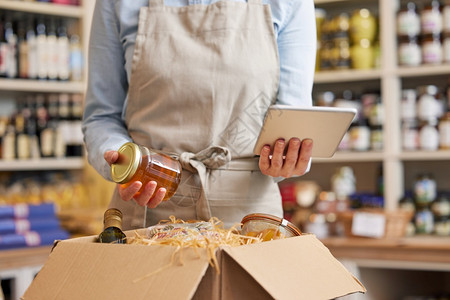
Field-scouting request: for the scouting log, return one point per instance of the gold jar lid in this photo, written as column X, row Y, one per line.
column 127, row 164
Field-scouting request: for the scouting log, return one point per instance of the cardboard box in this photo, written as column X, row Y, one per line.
column 293, row 268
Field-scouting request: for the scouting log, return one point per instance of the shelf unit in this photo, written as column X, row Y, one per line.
column 20, row 86
column 390, row 79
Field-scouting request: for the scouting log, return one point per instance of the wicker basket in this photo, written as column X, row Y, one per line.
column 396, row 221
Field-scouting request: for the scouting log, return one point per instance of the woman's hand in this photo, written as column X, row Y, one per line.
column 149, row 196
column 295, row 162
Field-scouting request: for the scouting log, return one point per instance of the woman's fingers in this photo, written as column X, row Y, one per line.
column 294, row 162
column 305, row 157
column 157, row 198
column 127, row 193
column 111, row 156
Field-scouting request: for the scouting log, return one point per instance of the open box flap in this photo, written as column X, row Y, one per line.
column 101, row 271
column 296, row 266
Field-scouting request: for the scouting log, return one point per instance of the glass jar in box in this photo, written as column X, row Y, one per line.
column 139, row 163
column 268, row 227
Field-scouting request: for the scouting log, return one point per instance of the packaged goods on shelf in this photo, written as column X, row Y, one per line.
column 425, row 118
column 40, row 47
column 43, row 125
column 423, row 33
column 347, row 41
column 429, row 206
column 366, row 131
column 26, row 225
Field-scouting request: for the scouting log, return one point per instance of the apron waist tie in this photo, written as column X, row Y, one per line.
column 212, row 158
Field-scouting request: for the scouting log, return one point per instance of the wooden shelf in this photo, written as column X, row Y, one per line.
column 44, row 86
column 425, row 155
column 74, row 163
column 70, row 11
column 23, row 257
column 425, row 70
column 351, row 157
column 346, row 76
column 415, row 253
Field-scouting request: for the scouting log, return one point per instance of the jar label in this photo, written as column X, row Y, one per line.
column 432, row 52
column 431, row 21
column 410, row 55
column 408, row 23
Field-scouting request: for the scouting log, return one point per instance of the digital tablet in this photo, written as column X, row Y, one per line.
column 326, row 126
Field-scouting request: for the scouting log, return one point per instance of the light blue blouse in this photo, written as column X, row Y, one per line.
column 111, row 47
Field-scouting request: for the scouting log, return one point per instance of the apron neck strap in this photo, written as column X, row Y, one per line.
column 161, row 2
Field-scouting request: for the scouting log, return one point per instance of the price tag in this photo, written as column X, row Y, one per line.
column 368, row 224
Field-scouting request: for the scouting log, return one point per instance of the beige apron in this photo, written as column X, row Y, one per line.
column 202, row 79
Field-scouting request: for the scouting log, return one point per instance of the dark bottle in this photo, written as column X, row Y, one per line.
column 74, row 142
column 3, row 47
column 112, row 232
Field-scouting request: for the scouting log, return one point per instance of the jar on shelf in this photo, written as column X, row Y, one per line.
column 446, row 46
column 446, row 16
column 428, row 105
column 360, row 136
column 429, row 135
column 340, row 55
column 363, row 25
column 407, row 204
column 425, row 190
column 441, row 206
column 376, row 113
column 408, row 20
column 362, row 55
column 431, row 18
column 410, row 134
column 409, row 51
column 376, row 138
column 408, row 104
column 424, row 221
column 444, row 131
column 442, row 226
column 432, row 49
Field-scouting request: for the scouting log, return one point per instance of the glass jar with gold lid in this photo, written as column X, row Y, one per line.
column 139, row 163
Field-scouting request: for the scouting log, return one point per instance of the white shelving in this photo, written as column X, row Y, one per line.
column 68, row 11
column 389, row 78
column 27, row 85
column 68, row 163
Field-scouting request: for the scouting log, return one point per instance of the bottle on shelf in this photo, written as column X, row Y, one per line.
column 52, row 50
column 3, row 47
column 11, row 44
column 62, row 125
column 22, row 48
column 42, row 49
column 22, row 138
column 63, row 51
column 32, row 55
column 76, row 58
column 44, row 129
column 112, row 232
column 74, row 143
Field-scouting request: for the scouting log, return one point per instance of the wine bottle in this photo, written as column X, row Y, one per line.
column 112, row 232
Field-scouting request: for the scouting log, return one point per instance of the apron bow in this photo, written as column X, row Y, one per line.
column 212, row 157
